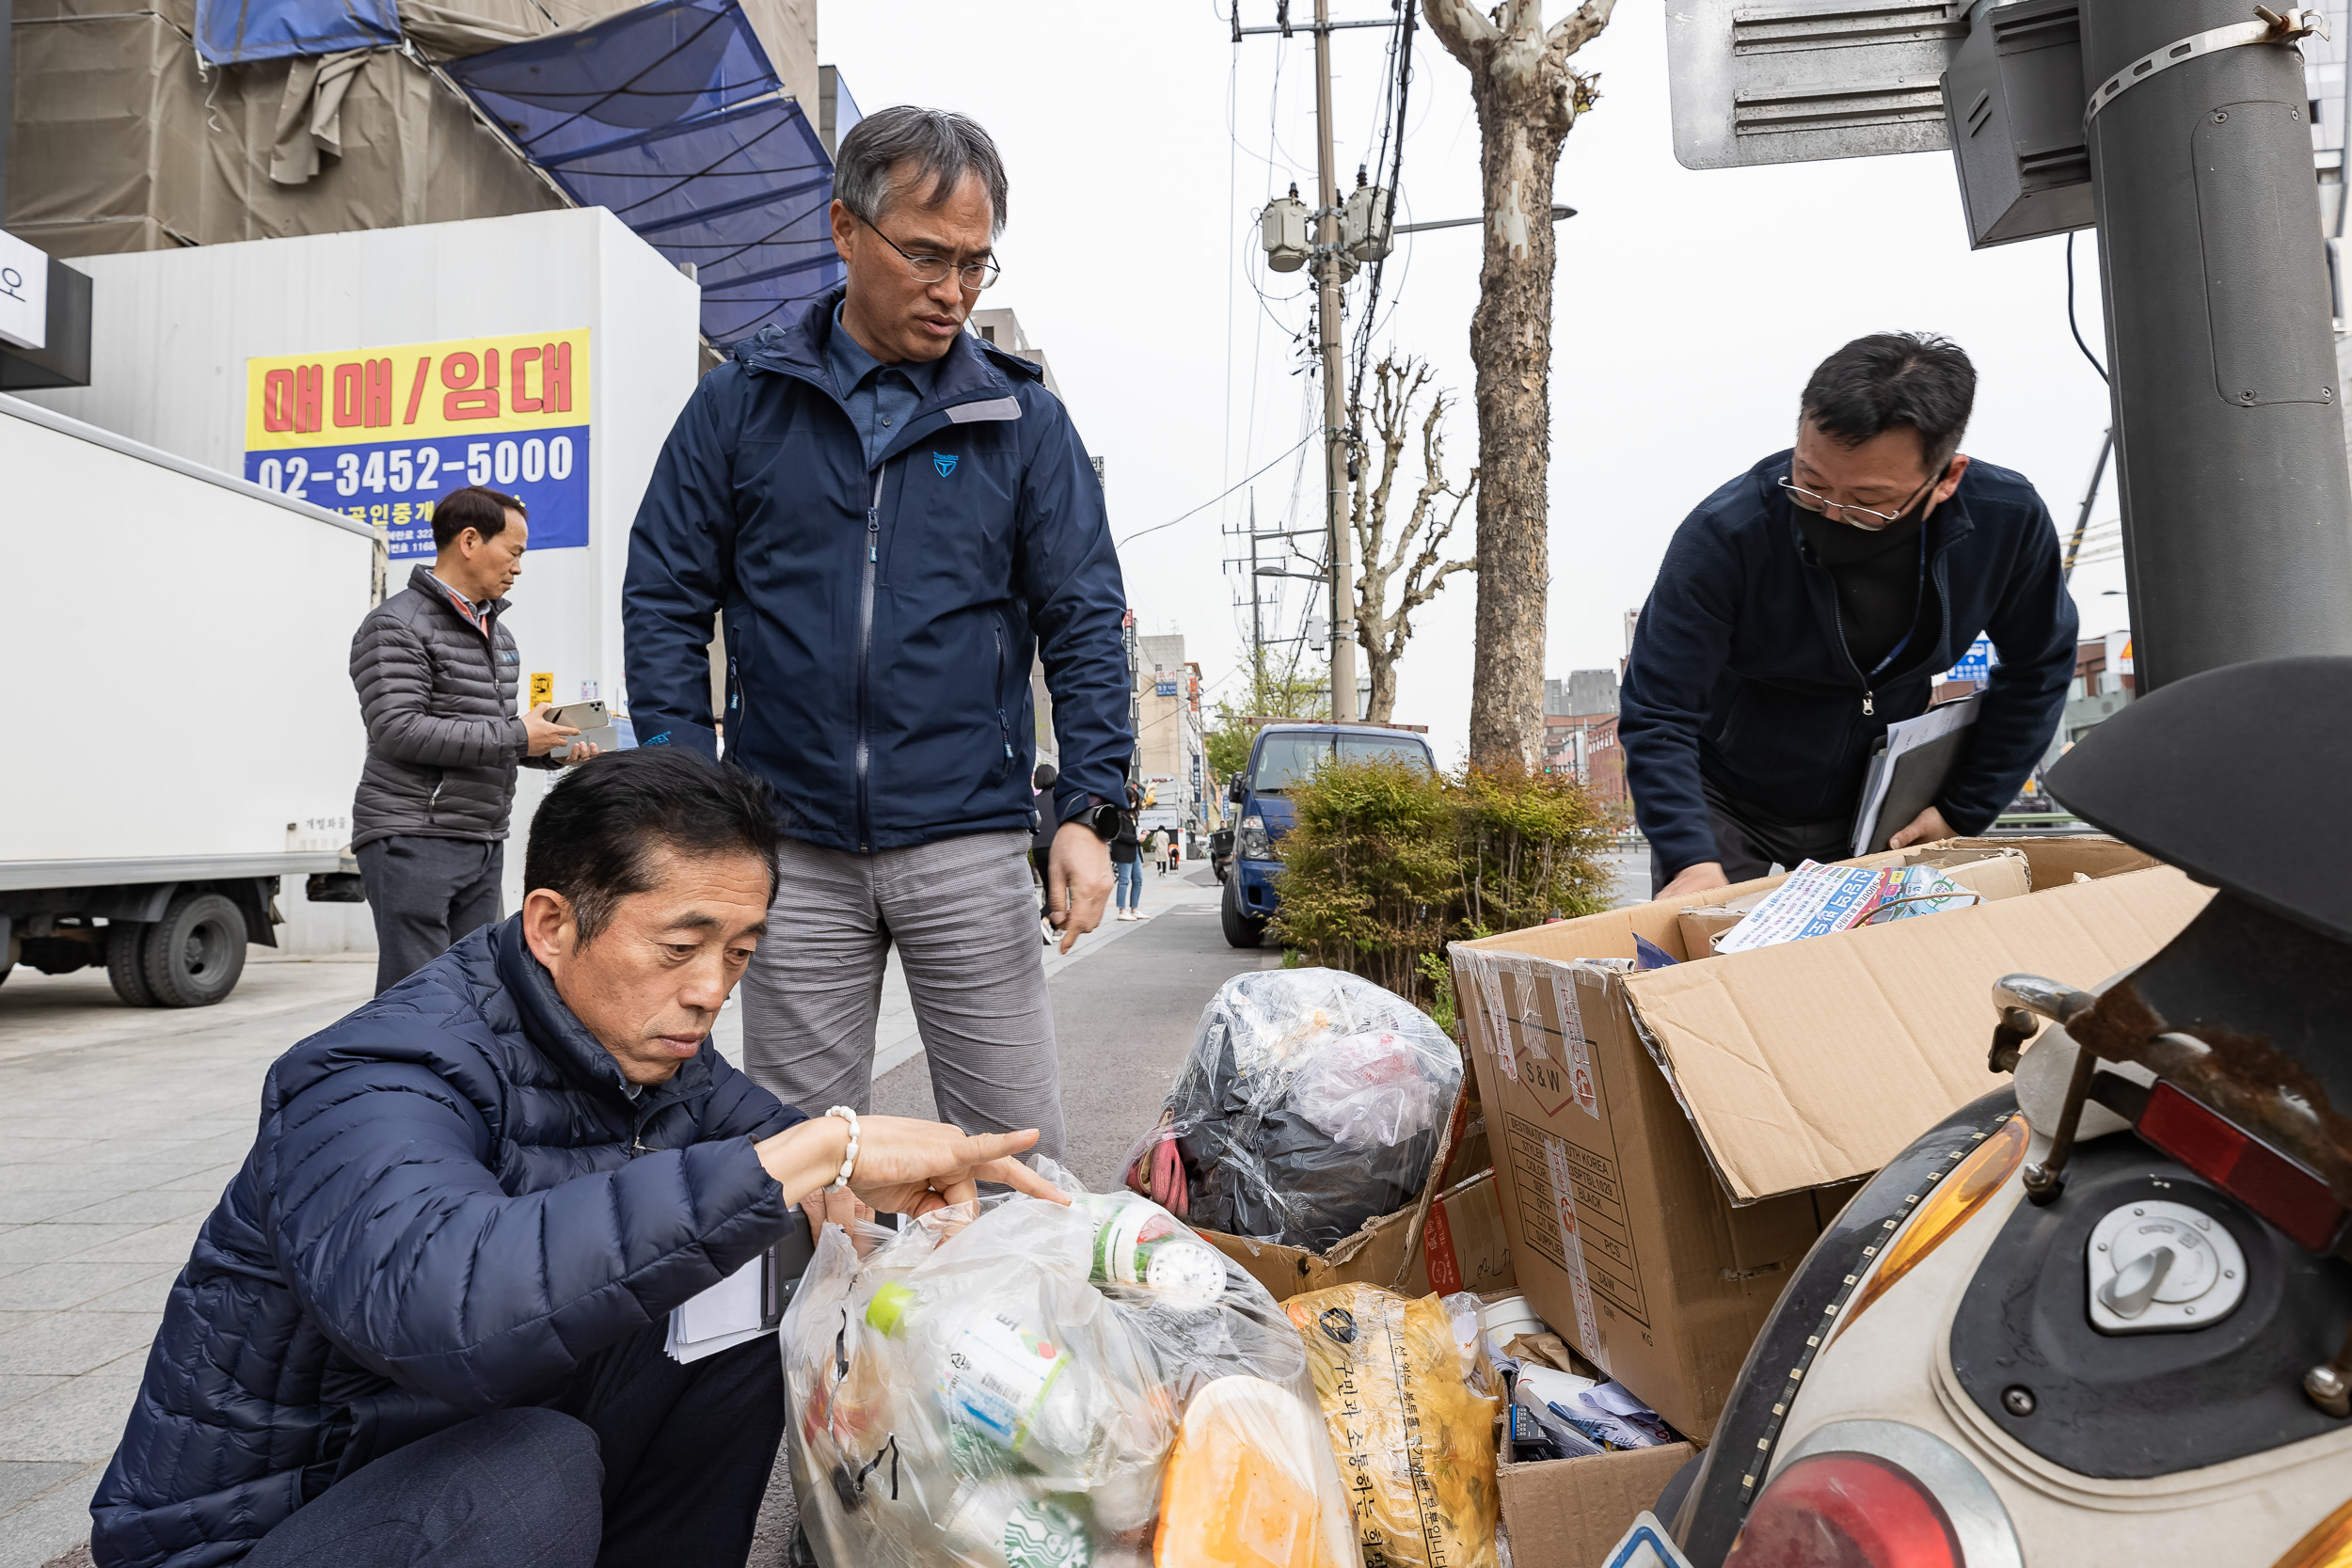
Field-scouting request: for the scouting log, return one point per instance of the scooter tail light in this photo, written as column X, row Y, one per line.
column 2327, row 1545
column 2241, row 1165
column 1846, row 1510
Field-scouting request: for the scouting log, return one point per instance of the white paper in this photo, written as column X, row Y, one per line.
column 1906, row 735
column 1815, row 900
column 726, row 1315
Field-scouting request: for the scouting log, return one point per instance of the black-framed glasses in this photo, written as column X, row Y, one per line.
column 1860, row 516
column 972, row 277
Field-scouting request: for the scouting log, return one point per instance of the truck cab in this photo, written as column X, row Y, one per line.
column 1282, row 757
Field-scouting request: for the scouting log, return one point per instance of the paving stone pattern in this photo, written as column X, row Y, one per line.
column 124, row 1125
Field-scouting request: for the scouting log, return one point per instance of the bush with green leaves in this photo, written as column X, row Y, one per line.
column 1385, row 863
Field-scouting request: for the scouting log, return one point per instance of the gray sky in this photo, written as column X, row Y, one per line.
column 1688, row 306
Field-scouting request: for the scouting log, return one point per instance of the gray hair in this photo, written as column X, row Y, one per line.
column 943, row 145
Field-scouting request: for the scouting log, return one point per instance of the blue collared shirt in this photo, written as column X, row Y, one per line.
column 881, row 398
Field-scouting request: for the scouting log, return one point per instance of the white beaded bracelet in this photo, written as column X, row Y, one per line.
column 849, row 1159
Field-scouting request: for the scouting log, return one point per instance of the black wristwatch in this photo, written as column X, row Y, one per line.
column 1104, row 819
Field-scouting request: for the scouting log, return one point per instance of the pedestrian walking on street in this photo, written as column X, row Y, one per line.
column 1175, row 850
column 898, row 519
column 1127, row 858
column 435, row 671
column 1812, row 601
column 1161, row 838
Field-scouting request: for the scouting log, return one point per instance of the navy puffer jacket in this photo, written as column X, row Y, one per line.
column 451, row 1203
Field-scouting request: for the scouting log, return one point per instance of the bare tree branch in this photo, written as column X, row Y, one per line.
column 1402, row 553
column 1461, row 28
column 1579, row 27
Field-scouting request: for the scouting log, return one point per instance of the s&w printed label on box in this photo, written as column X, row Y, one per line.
column 381, row 434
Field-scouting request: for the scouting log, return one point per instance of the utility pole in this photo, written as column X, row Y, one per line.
column 1328, row 281
column 1257, row 606
column 1330, row 271
column 2228, row 430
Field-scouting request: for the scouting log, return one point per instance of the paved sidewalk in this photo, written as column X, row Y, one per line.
column 124, row 1124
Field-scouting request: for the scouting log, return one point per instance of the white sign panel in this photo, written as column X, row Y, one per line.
column 23, row 293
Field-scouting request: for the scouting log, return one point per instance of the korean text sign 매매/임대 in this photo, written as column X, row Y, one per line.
column 382, row 433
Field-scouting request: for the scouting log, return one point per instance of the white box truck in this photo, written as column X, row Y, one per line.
column 182, row 732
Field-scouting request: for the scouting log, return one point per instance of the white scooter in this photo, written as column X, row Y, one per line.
column 2105, row 1317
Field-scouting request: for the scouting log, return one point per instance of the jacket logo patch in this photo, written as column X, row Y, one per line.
column 944, row 462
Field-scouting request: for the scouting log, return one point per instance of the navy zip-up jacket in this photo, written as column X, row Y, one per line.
column 451, row 1203
column 881, row 620
column 1741, row 674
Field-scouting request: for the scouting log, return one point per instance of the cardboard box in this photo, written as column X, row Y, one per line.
column 1669, row 1144
column 1459, row 1243
column 1567, row 1512
column 1450, row 1239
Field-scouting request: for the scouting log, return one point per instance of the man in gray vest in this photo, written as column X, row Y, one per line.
column 435, row 673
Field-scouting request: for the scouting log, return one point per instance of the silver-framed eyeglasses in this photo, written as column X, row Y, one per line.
column 972, row 277
column 1859, row 516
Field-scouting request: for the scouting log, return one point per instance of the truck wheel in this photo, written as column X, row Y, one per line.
column 193, row 956
column 1240, row 929
column 126, row 946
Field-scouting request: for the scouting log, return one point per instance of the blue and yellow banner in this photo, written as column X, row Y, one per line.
column 381, row 434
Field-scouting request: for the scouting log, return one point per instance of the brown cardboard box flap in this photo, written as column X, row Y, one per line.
column 1818, row 1061
column 1454, row 1241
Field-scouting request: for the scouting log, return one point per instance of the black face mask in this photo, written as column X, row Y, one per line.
column 1836, row 545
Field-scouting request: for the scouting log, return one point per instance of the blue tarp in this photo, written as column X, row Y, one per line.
column 672, row 117
column 228, row 31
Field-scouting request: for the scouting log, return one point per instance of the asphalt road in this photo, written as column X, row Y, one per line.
column 1124, row 1020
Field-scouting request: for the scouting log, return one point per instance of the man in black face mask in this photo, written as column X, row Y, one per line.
column 1813, row 601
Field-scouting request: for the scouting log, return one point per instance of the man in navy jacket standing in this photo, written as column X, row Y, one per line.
column 1812, row 601
column 895, row 517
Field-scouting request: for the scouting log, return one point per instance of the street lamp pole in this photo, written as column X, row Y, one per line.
column 2229, row 412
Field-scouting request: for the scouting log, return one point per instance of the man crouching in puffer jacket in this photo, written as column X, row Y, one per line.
column 425, row 1324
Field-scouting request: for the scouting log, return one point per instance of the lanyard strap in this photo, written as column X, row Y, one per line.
column 1919, row 596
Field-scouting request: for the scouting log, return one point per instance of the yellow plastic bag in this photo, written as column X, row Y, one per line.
column 1415, row 1443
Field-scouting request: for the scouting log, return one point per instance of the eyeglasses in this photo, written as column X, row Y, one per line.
column 1860, row 516
column 972, row 277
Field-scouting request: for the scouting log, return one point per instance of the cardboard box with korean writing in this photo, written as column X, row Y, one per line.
column 1668, row 1144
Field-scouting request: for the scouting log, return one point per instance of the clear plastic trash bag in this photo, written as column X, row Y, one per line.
column 1019, row 1385
column 1311, row 1101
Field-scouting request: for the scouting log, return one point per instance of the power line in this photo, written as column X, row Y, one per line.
column 1220, row 495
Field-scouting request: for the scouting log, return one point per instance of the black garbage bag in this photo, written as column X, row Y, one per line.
column 1311, row 1101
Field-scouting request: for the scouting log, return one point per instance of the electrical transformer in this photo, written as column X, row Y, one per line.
column 1282, row 229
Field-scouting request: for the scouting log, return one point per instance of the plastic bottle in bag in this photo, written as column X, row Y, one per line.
column 1003, row 1523
column 997, row 1378
column 1139, row 1242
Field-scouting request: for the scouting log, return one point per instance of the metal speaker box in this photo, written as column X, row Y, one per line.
column 2014, row 100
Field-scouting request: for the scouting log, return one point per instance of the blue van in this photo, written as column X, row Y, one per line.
column 1282, row 756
